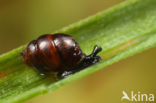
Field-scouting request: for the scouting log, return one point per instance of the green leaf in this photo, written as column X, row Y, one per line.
column 122, row 31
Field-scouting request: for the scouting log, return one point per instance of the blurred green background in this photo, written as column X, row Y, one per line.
column 24, row 20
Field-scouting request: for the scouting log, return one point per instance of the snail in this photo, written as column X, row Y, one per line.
column 58, row 53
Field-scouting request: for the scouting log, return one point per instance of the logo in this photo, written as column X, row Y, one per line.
column 138, row 96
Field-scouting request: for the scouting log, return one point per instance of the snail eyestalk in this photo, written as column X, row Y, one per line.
column 96, row 50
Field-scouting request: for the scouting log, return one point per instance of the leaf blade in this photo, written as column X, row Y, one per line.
column 122, row 31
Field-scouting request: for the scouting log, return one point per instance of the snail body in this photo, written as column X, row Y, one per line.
column 57, row 53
